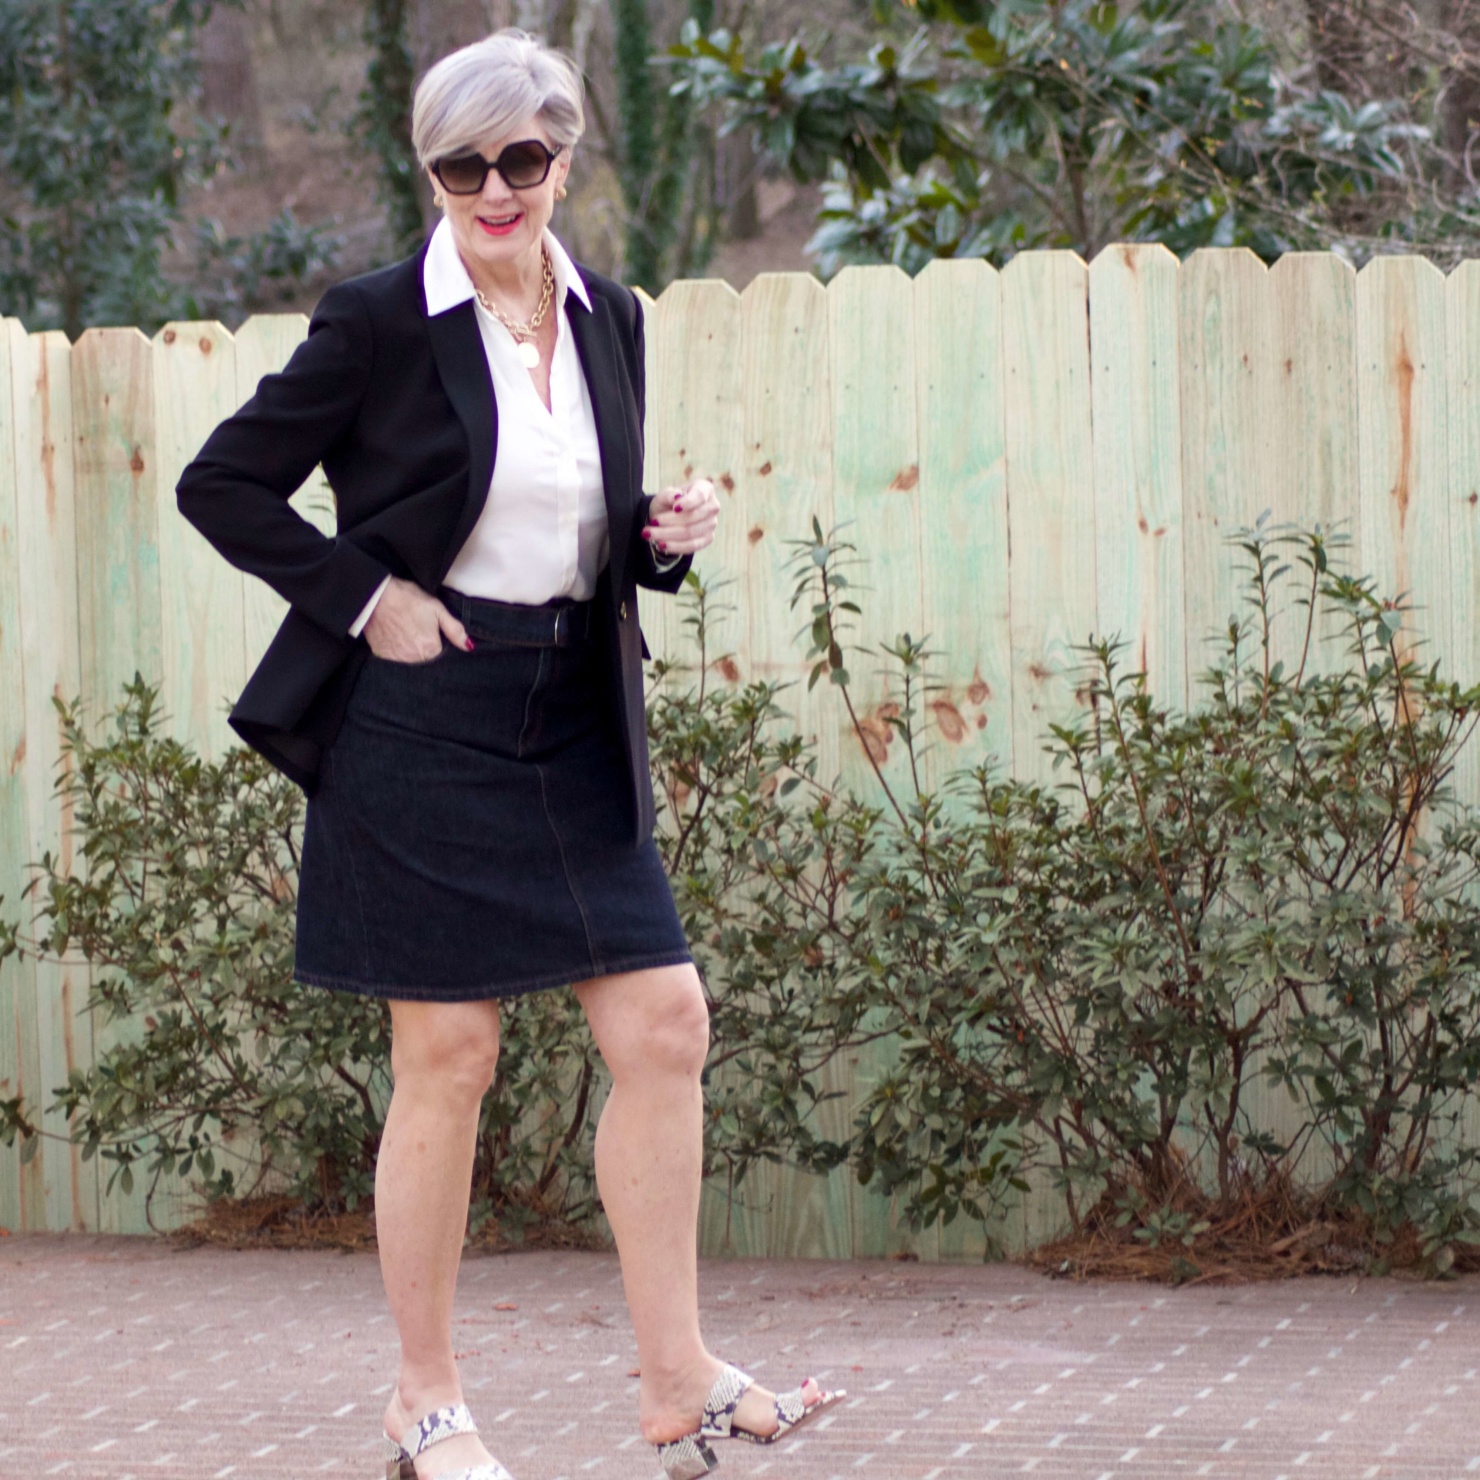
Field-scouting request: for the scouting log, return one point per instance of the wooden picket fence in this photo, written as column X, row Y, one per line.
column 1025, row 458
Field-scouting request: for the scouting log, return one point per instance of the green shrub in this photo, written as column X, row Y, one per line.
column 216, row 1067
column 1081, row 982
column 1086, row 980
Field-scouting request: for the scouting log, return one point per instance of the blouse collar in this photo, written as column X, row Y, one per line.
column 447, row 284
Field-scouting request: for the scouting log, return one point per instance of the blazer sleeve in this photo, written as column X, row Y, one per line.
column 236, row 490
column 669, row 575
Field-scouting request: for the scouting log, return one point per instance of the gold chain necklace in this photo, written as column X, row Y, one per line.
column 529, row 351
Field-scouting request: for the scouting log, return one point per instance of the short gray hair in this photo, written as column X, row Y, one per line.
column 483, row 90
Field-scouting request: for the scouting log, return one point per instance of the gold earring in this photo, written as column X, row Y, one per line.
column 560, row 192
column 437, row 200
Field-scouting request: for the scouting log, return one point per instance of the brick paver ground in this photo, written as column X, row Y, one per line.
column 128, row 1358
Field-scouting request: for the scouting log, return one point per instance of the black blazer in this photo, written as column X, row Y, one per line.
column 398, row 407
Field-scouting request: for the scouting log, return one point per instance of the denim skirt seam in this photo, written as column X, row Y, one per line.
column 570, row 883
column 485, row 992
column 354, row 876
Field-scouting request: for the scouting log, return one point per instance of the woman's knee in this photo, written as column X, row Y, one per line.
column 659, row 1021
column 685, row 1032
column 448, row 1048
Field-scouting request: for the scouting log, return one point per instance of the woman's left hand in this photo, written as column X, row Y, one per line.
column 683, row 519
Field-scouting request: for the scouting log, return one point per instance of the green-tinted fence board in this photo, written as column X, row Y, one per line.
column 1313, row 424
column 786, row 480
column 203, row 662
column 1402, row 388
column 1050, row 494
column 1462, row 303
column 876, row 504
column 1402, row 368
column 965, row 584
column 1226, row 339
column 119, row 626
column 876, row 497
column 117, row 524
column 1052, row 517
column 47, row 544
column 1307, row 445
column 202, row 634
column 21, row 1188
column 1403, row 373
column 960, row 400
column 1138, row 463
column 697, row 326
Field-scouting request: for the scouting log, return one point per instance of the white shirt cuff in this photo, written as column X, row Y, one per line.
column 368, row 609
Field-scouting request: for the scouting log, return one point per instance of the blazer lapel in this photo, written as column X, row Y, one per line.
column 457, row 347
column 593, row 333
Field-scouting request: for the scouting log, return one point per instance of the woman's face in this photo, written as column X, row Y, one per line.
column 499, row 226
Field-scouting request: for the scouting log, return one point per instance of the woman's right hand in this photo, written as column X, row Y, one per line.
column 407, row 625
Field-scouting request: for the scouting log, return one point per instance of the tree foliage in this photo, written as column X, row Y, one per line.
column 94, row 155
column 101, row 138
column 1000, row 125
column 384, row 121
column 659, row 156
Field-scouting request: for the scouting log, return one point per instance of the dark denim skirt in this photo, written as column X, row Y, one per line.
column 471, row 836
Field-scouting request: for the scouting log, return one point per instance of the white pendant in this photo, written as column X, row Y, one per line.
column 529, row 352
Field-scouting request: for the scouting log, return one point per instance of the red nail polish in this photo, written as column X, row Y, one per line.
column 467, row 644
column 647, row 534
column 678, row 508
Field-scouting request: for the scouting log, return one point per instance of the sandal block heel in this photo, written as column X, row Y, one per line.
column 689, row 1458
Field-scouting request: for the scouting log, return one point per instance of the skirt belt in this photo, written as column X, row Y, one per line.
column 557, row 623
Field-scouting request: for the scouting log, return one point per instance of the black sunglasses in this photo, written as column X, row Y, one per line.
column 522, row 165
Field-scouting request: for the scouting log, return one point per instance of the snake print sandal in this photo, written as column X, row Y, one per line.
column 440, row 1424
column 691, row 1457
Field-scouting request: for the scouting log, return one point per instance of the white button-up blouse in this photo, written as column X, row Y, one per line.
column 543, row 530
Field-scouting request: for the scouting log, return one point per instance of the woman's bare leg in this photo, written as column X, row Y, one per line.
column 652, row 1028
column 443, row 1056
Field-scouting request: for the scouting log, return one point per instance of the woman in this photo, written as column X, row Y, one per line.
column 458, row 687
